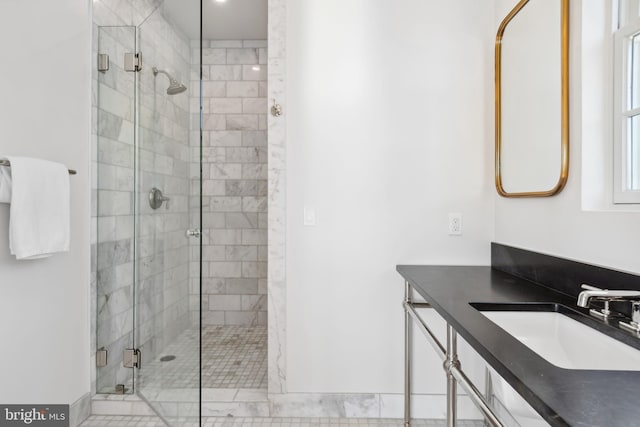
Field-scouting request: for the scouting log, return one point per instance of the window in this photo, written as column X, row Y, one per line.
column 626, row 168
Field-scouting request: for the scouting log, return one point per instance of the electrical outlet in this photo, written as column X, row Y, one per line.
column 455, row 224
column 309, row 216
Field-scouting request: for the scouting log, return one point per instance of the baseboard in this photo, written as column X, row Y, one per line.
column 365, row 405
column 80, row 410
column 313, row 405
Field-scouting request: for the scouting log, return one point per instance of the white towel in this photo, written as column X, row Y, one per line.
column 5, row 184
column 39, row 216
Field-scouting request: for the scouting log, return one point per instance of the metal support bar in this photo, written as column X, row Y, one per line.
column 439, row 348
column 451, row 364
column 476, row 397
column 488, row 391
column 407, row 354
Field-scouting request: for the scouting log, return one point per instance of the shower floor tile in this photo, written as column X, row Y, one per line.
column 233, row 357
column 120, row 421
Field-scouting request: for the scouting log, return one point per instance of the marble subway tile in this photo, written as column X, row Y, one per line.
column 263, row 122
column 226, row 237
column 241, row 188
column 246, row 155
column 263, row 253
column 215, row 188
column 242, row 122
column 254, row 171
column 241, row 220
column 254, row 237
column 254, row 270
column 214, row 122
column 254, row 43
column 227, row 171
column 254, row 204
column 242, row 56
column 214, row 253
column 211, row 154
column 213, row 285
column 225, row 303
column 213, row 56
column 214, row 89
column 254, row 138
column 114, row 203
column 242, row 172
column 225, row 72
column 226, row 105
column 226, row 139
column 254, row 106
column 254, row 72
column 263, row 56
column 263, row 89
column 241, row 286
column 254, row 302
column 225, row 269
column 214, row 220
column 241, row 253
column 225, row 43
column 242, row 89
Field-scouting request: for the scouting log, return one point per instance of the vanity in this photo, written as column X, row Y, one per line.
column 588, row 388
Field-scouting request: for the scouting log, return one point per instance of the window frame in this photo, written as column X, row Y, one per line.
column 622, row 79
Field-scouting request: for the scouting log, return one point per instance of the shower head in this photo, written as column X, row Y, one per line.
column 175, row 86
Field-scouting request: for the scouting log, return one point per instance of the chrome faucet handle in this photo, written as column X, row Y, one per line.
column 634, row 324
column 605, row 312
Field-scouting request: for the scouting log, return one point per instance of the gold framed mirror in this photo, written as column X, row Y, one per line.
column 532, row 99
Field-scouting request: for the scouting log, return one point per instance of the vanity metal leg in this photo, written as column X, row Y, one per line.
column 451, row 361
column 407, row 355
column 488, row 392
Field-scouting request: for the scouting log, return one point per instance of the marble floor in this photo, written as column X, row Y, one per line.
column 133, row 421
column 233, row 357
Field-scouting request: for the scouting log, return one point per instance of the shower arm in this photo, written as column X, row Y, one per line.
column 156, row 71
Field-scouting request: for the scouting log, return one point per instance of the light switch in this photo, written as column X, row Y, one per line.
column 309, row 216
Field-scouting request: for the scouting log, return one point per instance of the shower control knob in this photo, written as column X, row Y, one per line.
column 156, row 198
column 276, row 109
column 193, row 232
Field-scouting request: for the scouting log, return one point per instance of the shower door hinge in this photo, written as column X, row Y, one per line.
column 133, row 62
column 101, row 358
column 132, row 358
column 103, row 62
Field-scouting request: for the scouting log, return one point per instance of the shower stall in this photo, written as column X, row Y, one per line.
column 180, row 207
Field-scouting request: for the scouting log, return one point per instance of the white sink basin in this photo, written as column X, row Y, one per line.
column 565, row 342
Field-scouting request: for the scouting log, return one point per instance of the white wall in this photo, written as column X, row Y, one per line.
column 559, row 225
column 388, row 131
column 44, row 112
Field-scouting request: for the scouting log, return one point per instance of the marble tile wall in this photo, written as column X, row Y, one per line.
column 162, row 254
column 277, row 208
column 234, row 173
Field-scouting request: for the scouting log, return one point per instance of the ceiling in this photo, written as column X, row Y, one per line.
column 230, row 20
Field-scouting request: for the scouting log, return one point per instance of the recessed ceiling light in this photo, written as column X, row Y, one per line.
column 256, row 68
column 221, row 1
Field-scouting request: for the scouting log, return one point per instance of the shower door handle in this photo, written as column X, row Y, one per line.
column 193, row 232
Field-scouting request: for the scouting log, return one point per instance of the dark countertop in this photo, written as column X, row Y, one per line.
column 563, row 397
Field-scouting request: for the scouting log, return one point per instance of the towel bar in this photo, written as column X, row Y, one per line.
column 8, row 163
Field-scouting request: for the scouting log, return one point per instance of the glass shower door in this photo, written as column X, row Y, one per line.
column 114, row 166
column 167, row 201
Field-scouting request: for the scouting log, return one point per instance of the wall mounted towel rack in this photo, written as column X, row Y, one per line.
column 8, row 163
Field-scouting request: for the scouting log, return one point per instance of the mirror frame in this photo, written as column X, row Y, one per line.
column 564, row 161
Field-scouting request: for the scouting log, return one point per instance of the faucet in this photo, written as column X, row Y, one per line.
column 606, row 295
